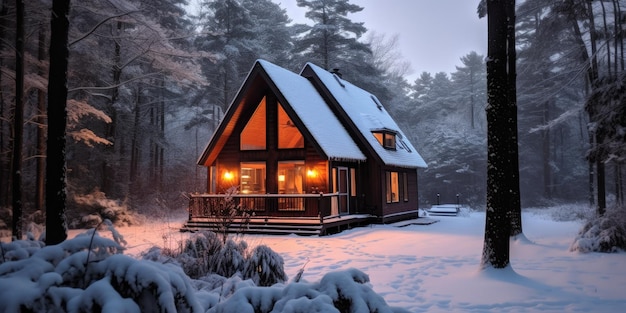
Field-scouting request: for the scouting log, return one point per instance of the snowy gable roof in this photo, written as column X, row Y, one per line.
column 314, row 113
column 368, row 115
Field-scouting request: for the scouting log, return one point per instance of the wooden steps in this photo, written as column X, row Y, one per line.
column 278, row 226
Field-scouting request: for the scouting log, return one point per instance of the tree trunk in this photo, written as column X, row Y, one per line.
column 56, row 227
column 513, row 154
column 545, row 153
column 500, row 123
column 135, row 149
column 108, row 171
column 18, row 123
column 41, row 130
column 5, row 128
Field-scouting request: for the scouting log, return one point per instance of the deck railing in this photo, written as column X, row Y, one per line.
column 274, row 205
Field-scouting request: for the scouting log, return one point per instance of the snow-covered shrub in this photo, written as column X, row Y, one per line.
column 571, row 212
column 89, row 210
column 603, row 234
column 198, row 256
column 230, row 259
column 89, row 274
column 265, row 267
column 342, row 291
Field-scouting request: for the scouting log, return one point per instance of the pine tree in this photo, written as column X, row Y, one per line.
column 333, row 39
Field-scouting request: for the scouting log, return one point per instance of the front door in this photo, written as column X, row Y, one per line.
column 342, row 187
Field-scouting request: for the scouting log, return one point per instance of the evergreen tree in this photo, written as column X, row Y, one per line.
column 333, row 39
column 469, row 82
column 226, row 30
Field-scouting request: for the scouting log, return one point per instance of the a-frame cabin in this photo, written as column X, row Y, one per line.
column 309, row 154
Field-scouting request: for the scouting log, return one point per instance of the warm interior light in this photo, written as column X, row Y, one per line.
column 281, row 178
column 311, row 173
column 228, row 175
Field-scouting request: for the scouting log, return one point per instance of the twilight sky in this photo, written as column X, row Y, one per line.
column 433, row 34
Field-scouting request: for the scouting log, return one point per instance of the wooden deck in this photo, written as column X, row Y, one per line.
column 303, row 214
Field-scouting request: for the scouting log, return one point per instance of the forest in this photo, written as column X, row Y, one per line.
column 148, row 82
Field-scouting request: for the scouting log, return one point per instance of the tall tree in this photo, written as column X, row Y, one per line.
column 18, row 122
column 227, row 32
column 56, row 226
column 501, row 133
column 333, row 39
column 469, row 81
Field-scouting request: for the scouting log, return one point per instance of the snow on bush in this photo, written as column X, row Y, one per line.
column 606, row 233
column 86, row 211
column 204, row 254
column 264, row 266
column 345, row 291
column 86, row 274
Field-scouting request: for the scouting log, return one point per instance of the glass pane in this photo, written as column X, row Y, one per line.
column 291, row 177
column 289, row 137
column 253, row 178
column 394, row 187
column 253, row 135
column 379, row 137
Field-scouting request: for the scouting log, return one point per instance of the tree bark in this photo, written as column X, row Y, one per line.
column 41, row 135
column 18, row 123
column 501, row 136
column 56, row 227
column 515, row 212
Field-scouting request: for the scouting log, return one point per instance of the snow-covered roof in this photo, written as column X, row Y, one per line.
column 368, row 114
column 314, row 113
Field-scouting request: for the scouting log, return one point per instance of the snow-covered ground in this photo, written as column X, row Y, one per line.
column 435, row 268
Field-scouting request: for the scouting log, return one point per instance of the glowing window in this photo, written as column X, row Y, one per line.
column 254, row 133
column 392, row 187
column 386, row 139
column 289, row 137
column 252, row 177
column 291, row 177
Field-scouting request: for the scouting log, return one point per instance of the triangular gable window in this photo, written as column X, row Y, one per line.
column 253, row 136
column 289, row 137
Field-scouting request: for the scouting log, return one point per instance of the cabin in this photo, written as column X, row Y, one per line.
column 306, row 153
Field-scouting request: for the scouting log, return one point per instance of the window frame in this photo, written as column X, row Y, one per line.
column 392, row 189
column 387, row 139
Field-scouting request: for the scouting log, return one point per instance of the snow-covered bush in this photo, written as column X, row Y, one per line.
column 86, row 274
column 603, row 234
column 89, row 210
column 265, row 267
column 204, row 254
column 342, row 291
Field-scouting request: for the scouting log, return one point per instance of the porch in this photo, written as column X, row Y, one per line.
column 302, row 214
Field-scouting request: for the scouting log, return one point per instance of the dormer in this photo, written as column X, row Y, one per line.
column 386, row 138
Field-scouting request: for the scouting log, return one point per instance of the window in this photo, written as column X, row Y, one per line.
column 253, row 136
column 291, row 181
column 289, row 137
column 253, row 177
column 392, row 187
column 291, row 177
column 386, row 139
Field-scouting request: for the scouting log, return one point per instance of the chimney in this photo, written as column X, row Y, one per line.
column 336, row 72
